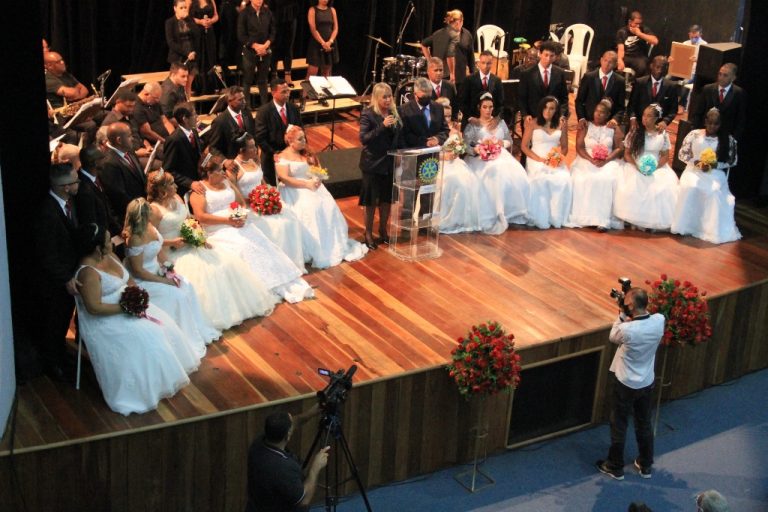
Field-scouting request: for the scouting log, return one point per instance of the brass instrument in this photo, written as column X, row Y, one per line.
column 70, row 109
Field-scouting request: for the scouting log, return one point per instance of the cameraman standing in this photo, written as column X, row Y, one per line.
column 637, row 334
column 275, row 480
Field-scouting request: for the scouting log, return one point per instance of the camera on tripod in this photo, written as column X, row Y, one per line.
column 336, row 391
column 626, row 285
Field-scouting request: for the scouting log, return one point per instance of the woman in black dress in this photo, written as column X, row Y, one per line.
column 182, row 36
column 379, row 128
column 205, row 14
column 322, row 51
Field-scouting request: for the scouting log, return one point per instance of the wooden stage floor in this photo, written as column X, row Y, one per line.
column 390, row 317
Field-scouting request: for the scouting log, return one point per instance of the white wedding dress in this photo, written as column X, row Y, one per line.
column 594, row 187
column 282, row 228
column 459, row 198
column 551, row 187
column 264, row 258
column 180, row 302
column 228, row 291
column 137, row 361
column 324, row 231
column 504, row 187
column 647, row 201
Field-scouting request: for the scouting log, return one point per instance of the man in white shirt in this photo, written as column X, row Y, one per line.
column 638, row 334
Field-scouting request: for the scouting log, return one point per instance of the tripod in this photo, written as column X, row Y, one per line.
column 330, row 425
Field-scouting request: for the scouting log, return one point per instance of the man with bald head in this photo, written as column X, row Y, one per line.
column 122, row 175
column 153, row 124
column 59, row 83
column 601, row 83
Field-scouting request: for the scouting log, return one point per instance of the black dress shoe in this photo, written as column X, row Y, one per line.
column 370, row 243
column 383, row 239
column 59, row 373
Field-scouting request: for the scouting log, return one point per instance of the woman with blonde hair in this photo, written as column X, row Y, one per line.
column 146, row 261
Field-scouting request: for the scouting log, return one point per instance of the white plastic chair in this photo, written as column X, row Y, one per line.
column 485, row 40
column 578, row 43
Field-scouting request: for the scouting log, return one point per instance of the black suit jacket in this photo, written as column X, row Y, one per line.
column 532, row 90
column 448, row 90
column 377, row 141
column 55, row 246
column 591, row 92
column 171, row 96
column 224, row 131
column 472, row 89
column 122, row 182
column 93, row 206
column 181, row 159
column 270, row 134
column 415, row 131
column 668, row 96
column 733, row 110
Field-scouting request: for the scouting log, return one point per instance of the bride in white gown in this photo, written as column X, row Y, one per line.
column 177, row 298
column 228, row 291
column 325, row 234
column 282, row 228
column 235, row 234
column 137, row 361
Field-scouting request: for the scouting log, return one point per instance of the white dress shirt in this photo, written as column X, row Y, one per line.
column 635, row 358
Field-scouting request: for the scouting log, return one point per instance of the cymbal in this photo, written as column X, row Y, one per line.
column 378, row 40
column 417, row 44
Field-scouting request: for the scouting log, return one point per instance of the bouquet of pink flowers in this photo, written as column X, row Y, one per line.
column 554, row 158
column 488, row 149
column 600, row 152
column 167, row 271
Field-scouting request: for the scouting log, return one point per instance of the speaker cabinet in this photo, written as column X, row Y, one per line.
column 711, row 58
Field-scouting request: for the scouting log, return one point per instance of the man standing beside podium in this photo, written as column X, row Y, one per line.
column 424, row 123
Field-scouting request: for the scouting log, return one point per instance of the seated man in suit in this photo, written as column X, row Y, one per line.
column 153, row 125
column 125, row 106
column 183, row 150
column 272, row 120
column 477, row 84
column 173, row 88
column 442, row 88
column 729, row 99
column 654, row 88
column 632, row 44
column 602, row 83
column 543, row 79
column 424, row 122
column 91, row 201
column 230, row 123
column 122, row 175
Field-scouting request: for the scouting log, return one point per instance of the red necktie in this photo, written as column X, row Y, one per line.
column 546, row 78
column 437, row 90
column 722, row 94
column 192, row 139
column 98, row 184
column 68, row 208
column 283, row 116
column 605, row 83
column 240, row 120
column 485, row 83
column 655, row 89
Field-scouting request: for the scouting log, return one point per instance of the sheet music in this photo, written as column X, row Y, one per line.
column 55, row 142
column 125, row 84
column 151, row 157
column 85, row 111
column 332, row 86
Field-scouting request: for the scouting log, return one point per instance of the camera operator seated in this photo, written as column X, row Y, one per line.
column 275, row 480
column 638, row 334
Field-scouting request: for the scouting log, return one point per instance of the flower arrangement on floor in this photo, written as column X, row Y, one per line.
column 265, row 200
column 600, row 152
column 485, row 361
column 707, row 160
column 455, row 145
column 192, row 233
column 237, row 211
column 135, row 300
column 554, row 158
column 488, row 149
column 319, row 172
column 647, row 164
column 685, row 309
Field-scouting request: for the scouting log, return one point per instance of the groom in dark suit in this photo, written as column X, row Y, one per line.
column 602, row 83
column 122, row 175
column 272, row 119
column 57, row 254
column 543, row 79
column 183, row 150
column 479, row 83
column 729, row 99
column 231, row 123
column 654, row 88
column 442, row 88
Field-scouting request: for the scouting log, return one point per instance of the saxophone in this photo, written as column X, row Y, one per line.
column 70, row 109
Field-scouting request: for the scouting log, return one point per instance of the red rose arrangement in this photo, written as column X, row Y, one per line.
column 237, row 211
column 265, row 200
column 135, row 300
column 485, row 361
column 685, row 309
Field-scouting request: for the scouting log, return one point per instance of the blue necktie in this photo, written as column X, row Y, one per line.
column 426, row 115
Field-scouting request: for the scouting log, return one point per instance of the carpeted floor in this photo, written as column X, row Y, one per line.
column 715, row 439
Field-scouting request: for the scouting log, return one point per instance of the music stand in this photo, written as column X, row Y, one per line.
column 126, row 84
column 219, row 106
column 85, row 112
column 332, row 87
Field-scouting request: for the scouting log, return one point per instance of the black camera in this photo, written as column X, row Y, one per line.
column 626, row 285
column 336, row 391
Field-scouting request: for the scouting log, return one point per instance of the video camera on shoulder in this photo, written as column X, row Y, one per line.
column 626, row 285
column 336, row 391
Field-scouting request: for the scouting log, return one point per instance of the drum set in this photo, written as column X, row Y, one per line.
column 400, row 71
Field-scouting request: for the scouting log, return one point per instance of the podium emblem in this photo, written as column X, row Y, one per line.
column 428, row 169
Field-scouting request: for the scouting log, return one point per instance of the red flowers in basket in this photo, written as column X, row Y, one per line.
column 135, row 300
column 485, row 361
column 685, row 309
column 265, row 200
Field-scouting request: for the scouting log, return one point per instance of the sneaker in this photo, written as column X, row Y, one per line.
column 606, row 469
column 643, row 472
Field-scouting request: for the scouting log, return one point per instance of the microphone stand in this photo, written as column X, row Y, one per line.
column 406, row 19
column 497, row 41
column 102, row 80
column 373, row 70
